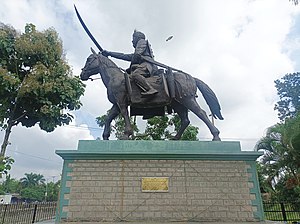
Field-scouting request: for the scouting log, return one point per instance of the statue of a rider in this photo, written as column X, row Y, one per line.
column 139, row 68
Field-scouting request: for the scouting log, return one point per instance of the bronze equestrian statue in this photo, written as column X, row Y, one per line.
column 139, row 69
column 117, row 91
column 162, row 90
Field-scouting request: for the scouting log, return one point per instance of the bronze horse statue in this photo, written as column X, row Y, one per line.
column 184, row 100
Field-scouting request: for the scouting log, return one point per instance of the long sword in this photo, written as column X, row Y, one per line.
column 101, row 49
column 87, row 30
column 161, row 64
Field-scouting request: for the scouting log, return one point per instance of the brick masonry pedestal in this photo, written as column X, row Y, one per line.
column 207, row 182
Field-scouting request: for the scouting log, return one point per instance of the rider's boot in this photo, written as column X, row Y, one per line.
column 148, row 90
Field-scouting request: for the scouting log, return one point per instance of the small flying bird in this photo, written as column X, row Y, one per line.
column 169, row 38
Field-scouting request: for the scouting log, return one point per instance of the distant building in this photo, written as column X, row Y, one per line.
column 5, row 199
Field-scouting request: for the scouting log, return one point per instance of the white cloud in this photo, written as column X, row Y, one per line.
column 237, row 47
column 34, row 150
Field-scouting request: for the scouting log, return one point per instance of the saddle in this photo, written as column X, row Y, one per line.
column 158, row 103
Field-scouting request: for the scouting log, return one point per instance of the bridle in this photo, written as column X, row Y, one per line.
column 89, row 63
column 93, row 59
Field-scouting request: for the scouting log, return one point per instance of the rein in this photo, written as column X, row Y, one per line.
column 94, row 78
column 123, row 70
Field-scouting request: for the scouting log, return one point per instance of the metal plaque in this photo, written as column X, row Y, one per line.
column 155, row 184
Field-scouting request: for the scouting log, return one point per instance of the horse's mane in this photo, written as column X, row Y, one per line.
column 106, row 61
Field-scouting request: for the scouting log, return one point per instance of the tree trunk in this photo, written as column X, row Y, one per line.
column 6, row 137
column 11, row 122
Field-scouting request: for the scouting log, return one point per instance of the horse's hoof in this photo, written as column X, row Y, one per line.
column 174, row 138
column 217, row 138
column 105, row 136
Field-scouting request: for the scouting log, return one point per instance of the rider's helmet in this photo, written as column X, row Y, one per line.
column 138, row 34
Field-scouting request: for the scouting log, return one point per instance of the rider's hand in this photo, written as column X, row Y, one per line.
column 105, row 53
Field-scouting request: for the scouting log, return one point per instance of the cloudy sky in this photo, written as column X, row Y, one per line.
column 237, row 47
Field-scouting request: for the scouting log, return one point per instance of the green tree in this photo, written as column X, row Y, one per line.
column 36, row 82
column 5, row 165
column 264, row 183
column 161, row 128
column 292, row 136
column 281, row 159
column 118, row 125
column 280, row 164
column 31, row 187
column 32, row 179
column 52, row 191
column 11, row 185
column 34, row 193
column 189, row 134
column 288, row 89
column 274, row 159
column 287, row 190
column 157, row 128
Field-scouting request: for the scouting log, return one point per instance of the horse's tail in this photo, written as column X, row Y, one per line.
column 210, row 98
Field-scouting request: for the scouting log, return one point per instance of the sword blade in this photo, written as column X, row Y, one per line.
column 87, row 30
column 161, row 64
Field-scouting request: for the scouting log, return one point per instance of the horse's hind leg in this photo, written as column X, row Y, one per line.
column 192, row 105
column 128, row 129
column 184, row 120
column 112, row 114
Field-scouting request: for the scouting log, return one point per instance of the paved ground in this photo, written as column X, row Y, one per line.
column 266, row 222
column 47, row 222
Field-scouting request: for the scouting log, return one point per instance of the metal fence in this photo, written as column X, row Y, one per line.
column 282, row 211
column 27, row 213
column 35, row 212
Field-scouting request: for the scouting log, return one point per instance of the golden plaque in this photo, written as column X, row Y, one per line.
column 155, row 184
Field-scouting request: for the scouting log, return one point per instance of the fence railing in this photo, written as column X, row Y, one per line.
column 27, row 213
column 282, row 211
column 35, row 212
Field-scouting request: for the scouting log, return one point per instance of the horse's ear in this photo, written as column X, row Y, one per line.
column 93, row 51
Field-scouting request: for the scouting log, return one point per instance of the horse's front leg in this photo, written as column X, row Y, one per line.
column 112, row 114
column 128, row 129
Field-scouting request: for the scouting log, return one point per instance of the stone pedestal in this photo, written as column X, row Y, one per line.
column 159, row 181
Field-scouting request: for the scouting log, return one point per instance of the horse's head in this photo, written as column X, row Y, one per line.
column 96, row 63
column 91, row 66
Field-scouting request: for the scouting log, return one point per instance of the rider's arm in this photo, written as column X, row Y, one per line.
column 125, row 57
